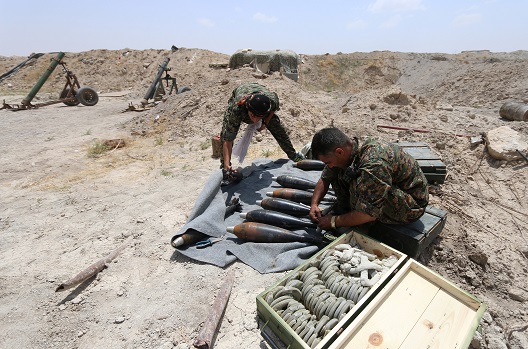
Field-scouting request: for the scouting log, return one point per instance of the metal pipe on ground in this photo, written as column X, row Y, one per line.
column 514, row 111
column 205, row 338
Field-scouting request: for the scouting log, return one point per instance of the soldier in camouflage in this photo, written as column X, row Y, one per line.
column 374, row 181
column 250, row 103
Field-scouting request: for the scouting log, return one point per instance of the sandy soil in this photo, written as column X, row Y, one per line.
column 64, row 207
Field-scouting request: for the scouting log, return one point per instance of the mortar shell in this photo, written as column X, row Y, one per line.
column 260, row 232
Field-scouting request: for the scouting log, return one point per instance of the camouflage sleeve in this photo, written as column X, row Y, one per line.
column 328, row 174
column 409, row 177
column 279, row 133
column 231, row 122
column 374, row 182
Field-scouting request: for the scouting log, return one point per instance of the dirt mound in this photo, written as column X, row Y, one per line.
column 110, row 71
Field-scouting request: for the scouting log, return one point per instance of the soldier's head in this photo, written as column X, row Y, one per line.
column 333, row 147
column 258, row 105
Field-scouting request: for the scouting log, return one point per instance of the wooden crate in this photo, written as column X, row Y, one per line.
column 286, row 334
column 430, row 163
column 416, row 309
column 411, row 238
column 410, row 307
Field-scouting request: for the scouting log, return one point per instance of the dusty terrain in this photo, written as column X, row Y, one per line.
column 64, row 205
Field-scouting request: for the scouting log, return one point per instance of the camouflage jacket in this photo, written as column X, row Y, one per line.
column 377, row 169
column 237, row 113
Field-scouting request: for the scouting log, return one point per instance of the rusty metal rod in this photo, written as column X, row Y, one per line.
column 90, row 271
column 205, row 338
column 54, row 62
column 421, row 130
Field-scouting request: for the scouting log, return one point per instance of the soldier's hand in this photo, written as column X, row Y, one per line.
column 225, row 172
column 315, row 213
column 231, row 175
column 298, row 157
column 325, row 222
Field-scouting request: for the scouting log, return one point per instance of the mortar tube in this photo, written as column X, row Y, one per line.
column 54, row 62
column 151, row 90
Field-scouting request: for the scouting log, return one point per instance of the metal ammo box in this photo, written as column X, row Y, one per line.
column 408, row 307
column 430, row 163
column 414, row 237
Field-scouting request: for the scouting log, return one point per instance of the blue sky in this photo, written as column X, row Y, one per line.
column 309, row 27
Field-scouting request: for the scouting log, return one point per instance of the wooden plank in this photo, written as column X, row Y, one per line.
column 447, row 286
column 448, row 319
column 391, row 317
column 443, row 325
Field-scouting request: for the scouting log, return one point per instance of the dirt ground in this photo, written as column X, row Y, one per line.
column 66, row 205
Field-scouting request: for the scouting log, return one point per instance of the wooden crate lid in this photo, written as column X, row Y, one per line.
column 416, row 309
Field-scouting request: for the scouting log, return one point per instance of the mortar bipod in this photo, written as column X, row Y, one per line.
column 67, row 96
column 72, row 94
column 160, row 89
column 174, row 84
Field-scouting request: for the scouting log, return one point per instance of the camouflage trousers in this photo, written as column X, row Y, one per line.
column 398, row 208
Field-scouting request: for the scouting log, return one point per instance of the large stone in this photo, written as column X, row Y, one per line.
column 518, row 340
column 487, row 318
column 517, row 295
column 479, row 258
column 444, row 106
column 476, row 341
column 496, row 341
column 505, row 144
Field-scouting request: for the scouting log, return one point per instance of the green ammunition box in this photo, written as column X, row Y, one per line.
column 411, row 238
column 430, row 163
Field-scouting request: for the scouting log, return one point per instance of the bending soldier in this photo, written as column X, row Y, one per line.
column 255, row 105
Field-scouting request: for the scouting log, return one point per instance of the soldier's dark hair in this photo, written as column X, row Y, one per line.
column 259, row 104
column 327, row 140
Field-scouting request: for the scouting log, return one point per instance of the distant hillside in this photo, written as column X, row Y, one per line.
column 470, row 78
column 473, row 77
